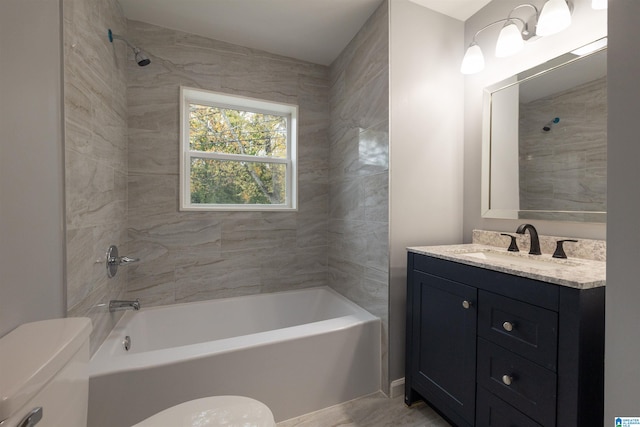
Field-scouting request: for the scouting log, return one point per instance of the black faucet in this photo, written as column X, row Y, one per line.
column 535, row 241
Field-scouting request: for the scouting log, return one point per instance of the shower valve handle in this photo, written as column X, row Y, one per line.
column 113, row 261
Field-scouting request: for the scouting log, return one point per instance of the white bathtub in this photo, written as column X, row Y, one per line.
column 296, row 351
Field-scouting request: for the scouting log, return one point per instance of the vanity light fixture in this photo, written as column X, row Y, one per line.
column 554, row 17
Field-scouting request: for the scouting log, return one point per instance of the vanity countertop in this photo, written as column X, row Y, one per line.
column 572, row 272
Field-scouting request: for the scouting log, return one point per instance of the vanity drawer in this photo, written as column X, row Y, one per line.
column 525, row 385
column 495, row 412
column 526, row 329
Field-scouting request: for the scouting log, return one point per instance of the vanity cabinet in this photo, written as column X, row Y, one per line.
column 488, row 348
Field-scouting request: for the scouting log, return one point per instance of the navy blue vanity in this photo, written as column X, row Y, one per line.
column 491, row 348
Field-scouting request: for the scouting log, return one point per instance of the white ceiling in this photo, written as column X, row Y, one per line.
column 310, row 30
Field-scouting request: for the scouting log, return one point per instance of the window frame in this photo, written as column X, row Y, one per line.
column 189, row 96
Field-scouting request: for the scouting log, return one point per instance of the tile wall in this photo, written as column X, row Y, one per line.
column 359, row 172
column 565, row 169
column 192, row 256
column 95, row 109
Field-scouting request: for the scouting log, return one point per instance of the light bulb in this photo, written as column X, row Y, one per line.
column 509, row 41
column 598, row 4
column 473, row 61
column 555, row 17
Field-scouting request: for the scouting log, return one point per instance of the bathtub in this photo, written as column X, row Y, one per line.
column 296, row 351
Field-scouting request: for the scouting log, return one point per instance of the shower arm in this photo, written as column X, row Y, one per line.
column 113, row 37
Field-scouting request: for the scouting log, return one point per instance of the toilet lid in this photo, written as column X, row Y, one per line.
column 229, row 411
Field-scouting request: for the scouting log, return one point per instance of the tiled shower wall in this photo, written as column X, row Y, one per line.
column 191, row 256
column 359, row 165
column 95, row 111
column 565, row 169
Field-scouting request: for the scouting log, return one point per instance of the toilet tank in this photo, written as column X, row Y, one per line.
column 45, row 365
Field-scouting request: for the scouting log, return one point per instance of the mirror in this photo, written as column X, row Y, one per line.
column 545, row 140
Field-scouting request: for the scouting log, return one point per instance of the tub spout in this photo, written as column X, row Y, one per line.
column 117, row 305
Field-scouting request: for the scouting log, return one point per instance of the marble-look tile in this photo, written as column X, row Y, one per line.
column 311, row 231
column 158, row 117
column 375, row 410
column 92, row 198
column 564, row 169
column 220, row 278
column 259, row 231
column 313, row 198
column 95, row 157
column 376, row 197
column 152, row 194
column 301, row 268
column 370, row 51
column 80, row 241
column 346, row 199
column 217, row 254
column 161, row 291
column 178, row 232
column 362, row 108
column 358, row 178
column 343, row 154
column 96, row 307
column 358, row 283
column 378, row 246
column 153, row 152
column 295, row 281
column 348, row 240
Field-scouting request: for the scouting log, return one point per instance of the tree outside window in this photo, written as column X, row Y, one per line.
column 238, row 153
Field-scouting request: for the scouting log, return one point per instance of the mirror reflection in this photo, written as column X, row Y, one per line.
column 545, row 154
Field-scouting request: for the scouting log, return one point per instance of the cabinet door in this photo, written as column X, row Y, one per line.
column 444, row 345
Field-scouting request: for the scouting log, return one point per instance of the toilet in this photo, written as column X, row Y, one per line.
column 44, row 382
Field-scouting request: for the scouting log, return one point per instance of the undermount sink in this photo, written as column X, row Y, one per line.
column 519, row 259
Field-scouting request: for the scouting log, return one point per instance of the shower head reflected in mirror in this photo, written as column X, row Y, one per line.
column 550, row 124
column 141, row 58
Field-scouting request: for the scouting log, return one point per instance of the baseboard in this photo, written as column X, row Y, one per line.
column 397, row 388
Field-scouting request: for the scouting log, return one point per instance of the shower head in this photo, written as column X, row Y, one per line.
column 548, row 126
column 141, row 58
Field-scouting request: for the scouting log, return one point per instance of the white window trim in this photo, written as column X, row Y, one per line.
column 200, row 96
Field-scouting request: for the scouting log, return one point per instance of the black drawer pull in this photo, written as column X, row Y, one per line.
column 507, row 379
column 508, row 326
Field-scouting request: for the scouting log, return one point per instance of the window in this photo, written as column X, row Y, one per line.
column 236, row 153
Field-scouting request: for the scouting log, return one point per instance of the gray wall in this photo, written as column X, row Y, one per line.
column 622, row 376
column 95, row 157
column 192, row 256
column 31, row 163
column 588, row 25
column 359, row 163
column 426, row 146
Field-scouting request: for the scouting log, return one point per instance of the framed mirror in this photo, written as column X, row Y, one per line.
column 544, row 150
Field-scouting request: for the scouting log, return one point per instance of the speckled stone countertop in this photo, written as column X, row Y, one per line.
column 572, row 272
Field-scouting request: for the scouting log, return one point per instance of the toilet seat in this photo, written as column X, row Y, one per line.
column 214, row 411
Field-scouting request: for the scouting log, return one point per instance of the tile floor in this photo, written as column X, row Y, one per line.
column 375, row 410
